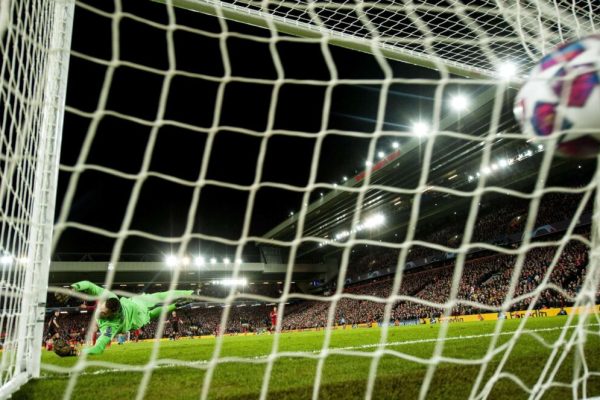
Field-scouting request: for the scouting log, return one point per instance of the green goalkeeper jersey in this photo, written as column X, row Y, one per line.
column 133, row 315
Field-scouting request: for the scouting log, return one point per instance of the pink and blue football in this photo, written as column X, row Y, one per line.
column 562, row 94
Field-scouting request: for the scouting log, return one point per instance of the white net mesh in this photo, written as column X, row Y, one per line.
column 156, row 95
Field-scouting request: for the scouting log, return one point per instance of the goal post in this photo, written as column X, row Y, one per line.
column 35, row 47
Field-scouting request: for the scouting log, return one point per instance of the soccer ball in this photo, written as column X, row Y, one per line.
column 62, row 348
column 563, row 94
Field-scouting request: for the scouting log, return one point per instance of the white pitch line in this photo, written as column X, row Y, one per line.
column 258, row 359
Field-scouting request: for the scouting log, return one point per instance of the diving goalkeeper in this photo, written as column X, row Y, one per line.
column 120, row 315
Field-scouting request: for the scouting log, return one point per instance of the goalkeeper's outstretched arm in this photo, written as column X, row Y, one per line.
column 107, row 332
column 91, row 289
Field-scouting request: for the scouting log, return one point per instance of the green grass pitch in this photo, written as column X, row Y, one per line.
column 344, row 376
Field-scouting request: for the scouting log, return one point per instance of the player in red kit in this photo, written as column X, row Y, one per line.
column 53, row 330
column 135, row 334
column 273, row 316
column 176, row 324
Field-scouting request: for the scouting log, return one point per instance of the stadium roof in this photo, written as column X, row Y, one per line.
column 456, row 164
column 157, row 273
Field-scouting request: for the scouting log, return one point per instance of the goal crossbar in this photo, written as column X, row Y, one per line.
column 411, row 41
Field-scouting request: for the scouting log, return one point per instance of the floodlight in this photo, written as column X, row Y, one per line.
column 368, row 163
column 171, row 261
column 213, row 260
column 226, row 260
column 420, row 128
column 231, row 282
column 342, row 235
column 6, row 259
column 199, row 261
column 507, row 70
column 395, row 145
column 345, row 178
column 374, row 221
column 503, row 163
column 185, row 261
column 381, row 154
column 459, row 102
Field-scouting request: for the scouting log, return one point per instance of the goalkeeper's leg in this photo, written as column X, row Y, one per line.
column 160, row 297
column 155, row 312
column 151, row 300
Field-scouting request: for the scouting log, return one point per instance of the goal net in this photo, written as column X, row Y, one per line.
column 178, row 110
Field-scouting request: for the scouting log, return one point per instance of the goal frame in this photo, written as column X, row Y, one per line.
column 52, row 94
column 300, row 29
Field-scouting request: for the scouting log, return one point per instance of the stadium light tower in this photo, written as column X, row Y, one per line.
column 459, row 102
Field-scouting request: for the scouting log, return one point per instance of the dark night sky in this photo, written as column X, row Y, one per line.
column 101, row 198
